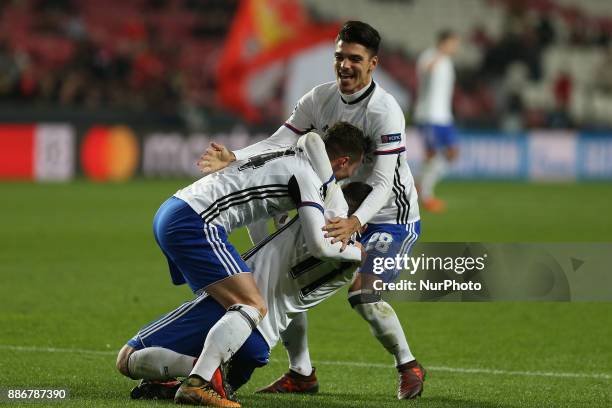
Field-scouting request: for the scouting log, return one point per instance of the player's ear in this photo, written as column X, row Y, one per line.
column 373, row 62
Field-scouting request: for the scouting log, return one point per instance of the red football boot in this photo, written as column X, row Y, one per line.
column 292, row 382
column 411, row 377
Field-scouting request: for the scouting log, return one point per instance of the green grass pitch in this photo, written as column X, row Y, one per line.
column 81, row 273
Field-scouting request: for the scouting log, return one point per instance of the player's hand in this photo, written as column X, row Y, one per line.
column 341, row 229
column 215, row 158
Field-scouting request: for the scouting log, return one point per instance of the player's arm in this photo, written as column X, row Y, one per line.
column 341, row 229
column 381, row 181
column 313, row 145
column 304, row 189
column 312, row 220
column 427, row 62
column 431, row 64
column 217, row 156
column 390, row 142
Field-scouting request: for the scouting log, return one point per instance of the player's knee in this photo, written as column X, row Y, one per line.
column 123, row 358
column 253, row 314
column 363, row 296
column 261, row 307
column 299, row 325
column 263, row 311
column 253, row 300
column 259, row 304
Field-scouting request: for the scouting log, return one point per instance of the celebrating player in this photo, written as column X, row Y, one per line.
column 390, row 210
column 296, row 268
column 192, row 227
column 436, row 79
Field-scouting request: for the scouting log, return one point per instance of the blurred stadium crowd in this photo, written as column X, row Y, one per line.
column 123, row 53
column 523, row 64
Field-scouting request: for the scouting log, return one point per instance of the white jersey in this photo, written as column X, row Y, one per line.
column 257, row 188
column 393, row 199
column 435, row 89
column 290, row 280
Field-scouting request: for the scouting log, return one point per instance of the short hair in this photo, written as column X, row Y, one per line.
column 360, row 33
column 344, row 139
column 355, row 193
column 446, row 34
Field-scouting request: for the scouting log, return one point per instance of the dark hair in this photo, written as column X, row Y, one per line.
column 355, row 193
column 344, row 139
column 446, row 35
column 360, row 33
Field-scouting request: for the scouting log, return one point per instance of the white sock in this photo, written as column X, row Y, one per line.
column 433, row 171
column 386, row 327
column 225, row 338
column 295, row 340
column 157, row 363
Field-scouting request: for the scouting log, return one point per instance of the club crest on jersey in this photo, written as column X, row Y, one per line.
column 394, row 137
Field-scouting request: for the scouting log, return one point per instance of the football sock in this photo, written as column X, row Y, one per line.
column 157, row 363
column 295, row 340
column 386, row 327
column 225, row 338
column 433, row 171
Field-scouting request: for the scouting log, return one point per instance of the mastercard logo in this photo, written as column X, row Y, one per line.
column 109, row 153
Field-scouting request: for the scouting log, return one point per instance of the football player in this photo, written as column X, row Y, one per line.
column 192, row 226
column 391, row 210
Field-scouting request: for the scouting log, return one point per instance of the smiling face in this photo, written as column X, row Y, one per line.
column 354, row 66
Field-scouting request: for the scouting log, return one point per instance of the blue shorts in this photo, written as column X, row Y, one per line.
column 198, row 254
column 387, row 241
column 185, row 328
column 438, row 136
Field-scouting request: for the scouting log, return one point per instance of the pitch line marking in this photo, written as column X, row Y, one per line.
column 462, row 370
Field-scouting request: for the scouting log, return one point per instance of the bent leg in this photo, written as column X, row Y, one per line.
column 158, row 363
column 254, row 353
column 122, row 360
column 168, row 346
column 245, row 309
column 295, row 340
column 382, row 241
column 208, row 262
column 381, row 318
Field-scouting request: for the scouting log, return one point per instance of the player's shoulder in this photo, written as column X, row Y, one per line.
column 383, row 106
column 324, row 90
column 319, row 93
column 302, row 167
column 299, row 161
column 426, row 54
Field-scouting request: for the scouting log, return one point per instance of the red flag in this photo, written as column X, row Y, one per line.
column 264, row 32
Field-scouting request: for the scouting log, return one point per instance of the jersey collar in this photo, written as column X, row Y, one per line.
column 359, row 95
